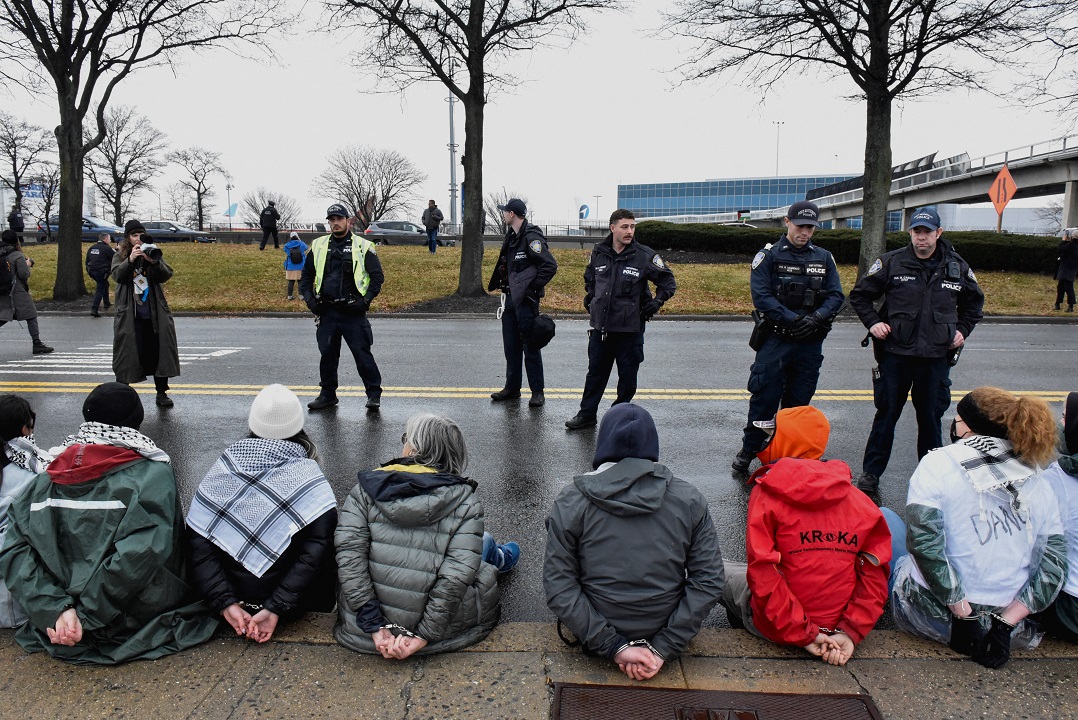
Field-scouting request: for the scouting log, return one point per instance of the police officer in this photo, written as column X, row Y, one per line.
column 98, row 267
column 797, row 293
column 15, row 221
column 341, row 277
column 931, row 304
column 267, row 219
column 619, row 301
column 523, row 269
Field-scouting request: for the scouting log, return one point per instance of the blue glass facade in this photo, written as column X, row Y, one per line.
column 719, row 196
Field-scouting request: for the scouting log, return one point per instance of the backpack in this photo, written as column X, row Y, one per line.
column 295, row 256
column 7, row 272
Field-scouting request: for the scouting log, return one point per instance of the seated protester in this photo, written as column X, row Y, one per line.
column 22, row 460
column 823, row 591
column 1061, row 617
column 260, row 529
column 632, row 560
column 417, row 572
column 986, row 546
column 94, row 548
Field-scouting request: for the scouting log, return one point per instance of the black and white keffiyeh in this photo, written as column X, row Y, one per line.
column 257, row 495
column 95, row 433
column 23, row 452
column 990, row 463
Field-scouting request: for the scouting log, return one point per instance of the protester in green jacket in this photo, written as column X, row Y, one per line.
column 93, row 549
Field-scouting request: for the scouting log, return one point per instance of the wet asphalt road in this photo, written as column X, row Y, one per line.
column 692, row 381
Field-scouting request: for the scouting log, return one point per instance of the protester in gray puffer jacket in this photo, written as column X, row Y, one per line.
column 632, row 560
column 417, row 573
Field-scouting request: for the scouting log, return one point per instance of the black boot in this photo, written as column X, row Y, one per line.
column 1070, row 308
column 1057, row 307
column 41, row 348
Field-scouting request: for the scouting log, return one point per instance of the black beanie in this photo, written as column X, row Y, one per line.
column 1070, row 426
column 627, row 431
column 977, row 421
column 133, row 226
column 9, row 237
column 113, row 403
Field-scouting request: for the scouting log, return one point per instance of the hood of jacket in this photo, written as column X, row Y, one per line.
column 81, row 463
column 627, row 431
column 632, row 486
column 412, row 495
column 806, row 483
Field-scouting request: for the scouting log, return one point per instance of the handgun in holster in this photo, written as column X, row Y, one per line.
column 761, row 330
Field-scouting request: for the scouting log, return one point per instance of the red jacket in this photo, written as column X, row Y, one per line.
column 818, row 552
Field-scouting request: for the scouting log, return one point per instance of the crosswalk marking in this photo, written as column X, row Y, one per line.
column 97, row 360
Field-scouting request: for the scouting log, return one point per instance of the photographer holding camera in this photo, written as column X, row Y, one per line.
column 341, row 276
column 144, row 341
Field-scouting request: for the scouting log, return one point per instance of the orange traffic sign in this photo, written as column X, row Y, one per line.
column 1002, row 190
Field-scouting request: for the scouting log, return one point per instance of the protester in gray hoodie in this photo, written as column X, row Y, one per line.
column 632, row 560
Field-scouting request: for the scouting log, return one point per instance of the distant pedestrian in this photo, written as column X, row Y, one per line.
column 144, row 335
column 98, row 266
column 521, row 272
column 268, row 221
column 16, row 303
column 295, row 250
column 1068, row 268
column 432, row 218
column 15, row 221
column 620, row 304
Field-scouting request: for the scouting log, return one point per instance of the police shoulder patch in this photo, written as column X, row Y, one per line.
column 972, row 277
column 758, row 259
column 875, row 267
column 657, row 262
column 536, row 246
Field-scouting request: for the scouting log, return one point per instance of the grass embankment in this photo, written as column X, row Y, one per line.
column 239, row 278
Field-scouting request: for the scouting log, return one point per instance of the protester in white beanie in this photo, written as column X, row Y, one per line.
column 260, row 529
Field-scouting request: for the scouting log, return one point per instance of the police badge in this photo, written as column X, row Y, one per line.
column 657, row 262
column 875, row 268
column 758, row 259
column 536, row 246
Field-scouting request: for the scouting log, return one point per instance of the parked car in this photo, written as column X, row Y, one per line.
column 166, row 230
column 91, row 228
column 401, row 232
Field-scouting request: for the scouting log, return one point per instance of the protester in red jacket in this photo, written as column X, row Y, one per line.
column 818, row 548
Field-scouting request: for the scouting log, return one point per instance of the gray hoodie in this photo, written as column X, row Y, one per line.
column 632, row 554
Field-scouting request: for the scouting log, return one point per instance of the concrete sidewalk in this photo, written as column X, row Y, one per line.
column 304, row 674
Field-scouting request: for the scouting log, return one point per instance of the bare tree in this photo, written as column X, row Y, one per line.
column 178, row 203
column 374, row 182
column 889, row 48
column 47, row 192
column 24, row 147
column 84, row 50
column 495, row 219
column 410, row 41
column 198, row 163
column 1051, row 213
column 253, row 202
column 125, row 162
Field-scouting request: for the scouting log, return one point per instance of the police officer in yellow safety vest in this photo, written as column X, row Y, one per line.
column 341, row 276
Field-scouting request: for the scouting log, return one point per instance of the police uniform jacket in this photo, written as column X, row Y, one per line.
column 269, row 217
column 788, row 282
column 924, row 307
column 524, row 265
column 15, row 221
column 99, row 260
column 616, row 284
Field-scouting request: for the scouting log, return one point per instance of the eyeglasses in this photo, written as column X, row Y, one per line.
column 404, row 438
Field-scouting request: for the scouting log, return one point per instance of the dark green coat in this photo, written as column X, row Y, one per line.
column 125, row 360
column 121, row 567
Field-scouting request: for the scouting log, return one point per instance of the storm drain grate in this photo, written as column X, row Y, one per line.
column 614, row 702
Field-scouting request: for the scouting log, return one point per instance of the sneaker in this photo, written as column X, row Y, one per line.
column 506, row 557
column 505, row 394
column 322, row 401
column 868, row 483
column 291, row 297
column 163, row 400
column 374, row 403
column 580, row 421
column 537, row 400
column 41, row 348
column 742, row 461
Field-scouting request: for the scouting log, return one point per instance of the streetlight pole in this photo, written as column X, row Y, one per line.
column 596, row 206
column 228, row 192
column 452, row 158
column 778, row 130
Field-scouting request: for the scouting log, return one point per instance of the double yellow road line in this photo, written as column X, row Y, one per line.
column 435, row 392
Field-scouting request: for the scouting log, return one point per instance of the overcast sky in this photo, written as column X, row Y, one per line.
column 606, row 110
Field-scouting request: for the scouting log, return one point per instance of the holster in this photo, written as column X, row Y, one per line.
column 877, row 347
column 761, row 331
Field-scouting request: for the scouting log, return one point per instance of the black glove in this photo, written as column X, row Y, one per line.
column 587, row 302
column 648, row 309
column 966, row 634
column 994, row 649
column 316, row 307
column 805, row 326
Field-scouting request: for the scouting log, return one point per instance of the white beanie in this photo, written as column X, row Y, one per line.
column 276, row 413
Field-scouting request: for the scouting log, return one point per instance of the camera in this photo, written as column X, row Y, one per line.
column 151, row 251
